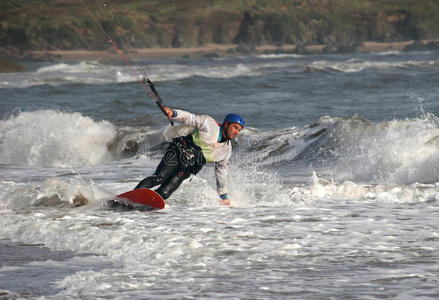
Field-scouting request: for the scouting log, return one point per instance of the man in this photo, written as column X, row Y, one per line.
column 186, row 155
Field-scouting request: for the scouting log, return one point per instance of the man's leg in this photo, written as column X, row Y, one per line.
column 166, row 168
column 172, row 184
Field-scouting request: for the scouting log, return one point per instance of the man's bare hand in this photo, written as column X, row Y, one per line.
column 170, row 112
column 225, row 202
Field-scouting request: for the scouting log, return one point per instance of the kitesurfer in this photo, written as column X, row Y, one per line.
column 186, row 155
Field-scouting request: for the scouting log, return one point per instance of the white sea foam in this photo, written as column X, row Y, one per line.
column 387, row 152
column 358, row 65
column 387, row 53
column 269, row 225
column 86, row 72
column 353, row 149
column 178, row 72
column 81, row 67
column 280, row 55
column 54, row 192
column 92, row 72
column 50, row 138
column 322, row 189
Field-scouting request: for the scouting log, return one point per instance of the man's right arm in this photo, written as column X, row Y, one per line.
column 202, row 122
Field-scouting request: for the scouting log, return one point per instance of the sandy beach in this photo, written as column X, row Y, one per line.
column 152, row 53
column 211, row 50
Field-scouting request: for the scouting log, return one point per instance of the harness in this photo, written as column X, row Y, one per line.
column 190, row 155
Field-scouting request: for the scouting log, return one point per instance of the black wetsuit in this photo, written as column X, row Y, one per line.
column 182, row 158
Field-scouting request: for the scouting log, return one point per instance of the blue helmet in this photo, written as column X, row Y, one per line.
column 235, row 118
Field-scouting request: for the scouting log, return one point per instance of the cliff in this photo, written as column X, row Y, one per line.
column 67, row 24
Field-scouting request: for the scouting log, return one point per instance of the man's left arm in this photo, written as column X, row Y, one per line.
column 221, row 181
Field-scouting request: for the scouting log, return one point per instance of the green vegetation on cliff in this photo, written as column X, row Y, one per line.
column 66, row 24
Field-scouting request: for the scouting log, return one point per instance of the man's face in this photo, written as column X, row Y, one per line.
column 233, row 130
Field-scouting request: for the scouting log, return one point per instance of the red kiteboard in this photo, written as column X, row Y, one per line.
column 141, row 199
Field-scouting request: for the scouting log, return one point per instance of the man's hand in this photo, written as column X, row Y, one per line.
column 225, row 202
column 170, row 112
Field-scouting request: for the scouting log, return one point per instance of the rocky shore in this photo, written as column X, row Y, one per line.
column 7, row 66
column 211, row 50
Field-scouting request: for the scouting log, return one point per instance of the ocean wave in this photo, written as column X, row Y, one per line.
column 83, row 66
column 93, row 72
column 343, row 149
column 49, row 138
column 388, row 53
column 321, row 189
column 90, row 72
column 178, row 71
column 280, row 55
column 86, row 72
column 358, row 65
column 53, row 192
column 286, row 145
column 397, row 151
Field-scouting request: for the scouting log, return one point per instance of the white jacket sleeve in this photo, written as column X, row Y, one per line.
column 198, row 121
column 221, row 177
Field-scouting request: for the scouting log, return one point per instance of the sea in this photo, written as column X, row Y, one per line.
column 334, row 181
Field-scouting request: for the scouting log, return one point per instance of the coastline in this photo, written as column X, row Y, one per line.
column 210, row 50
